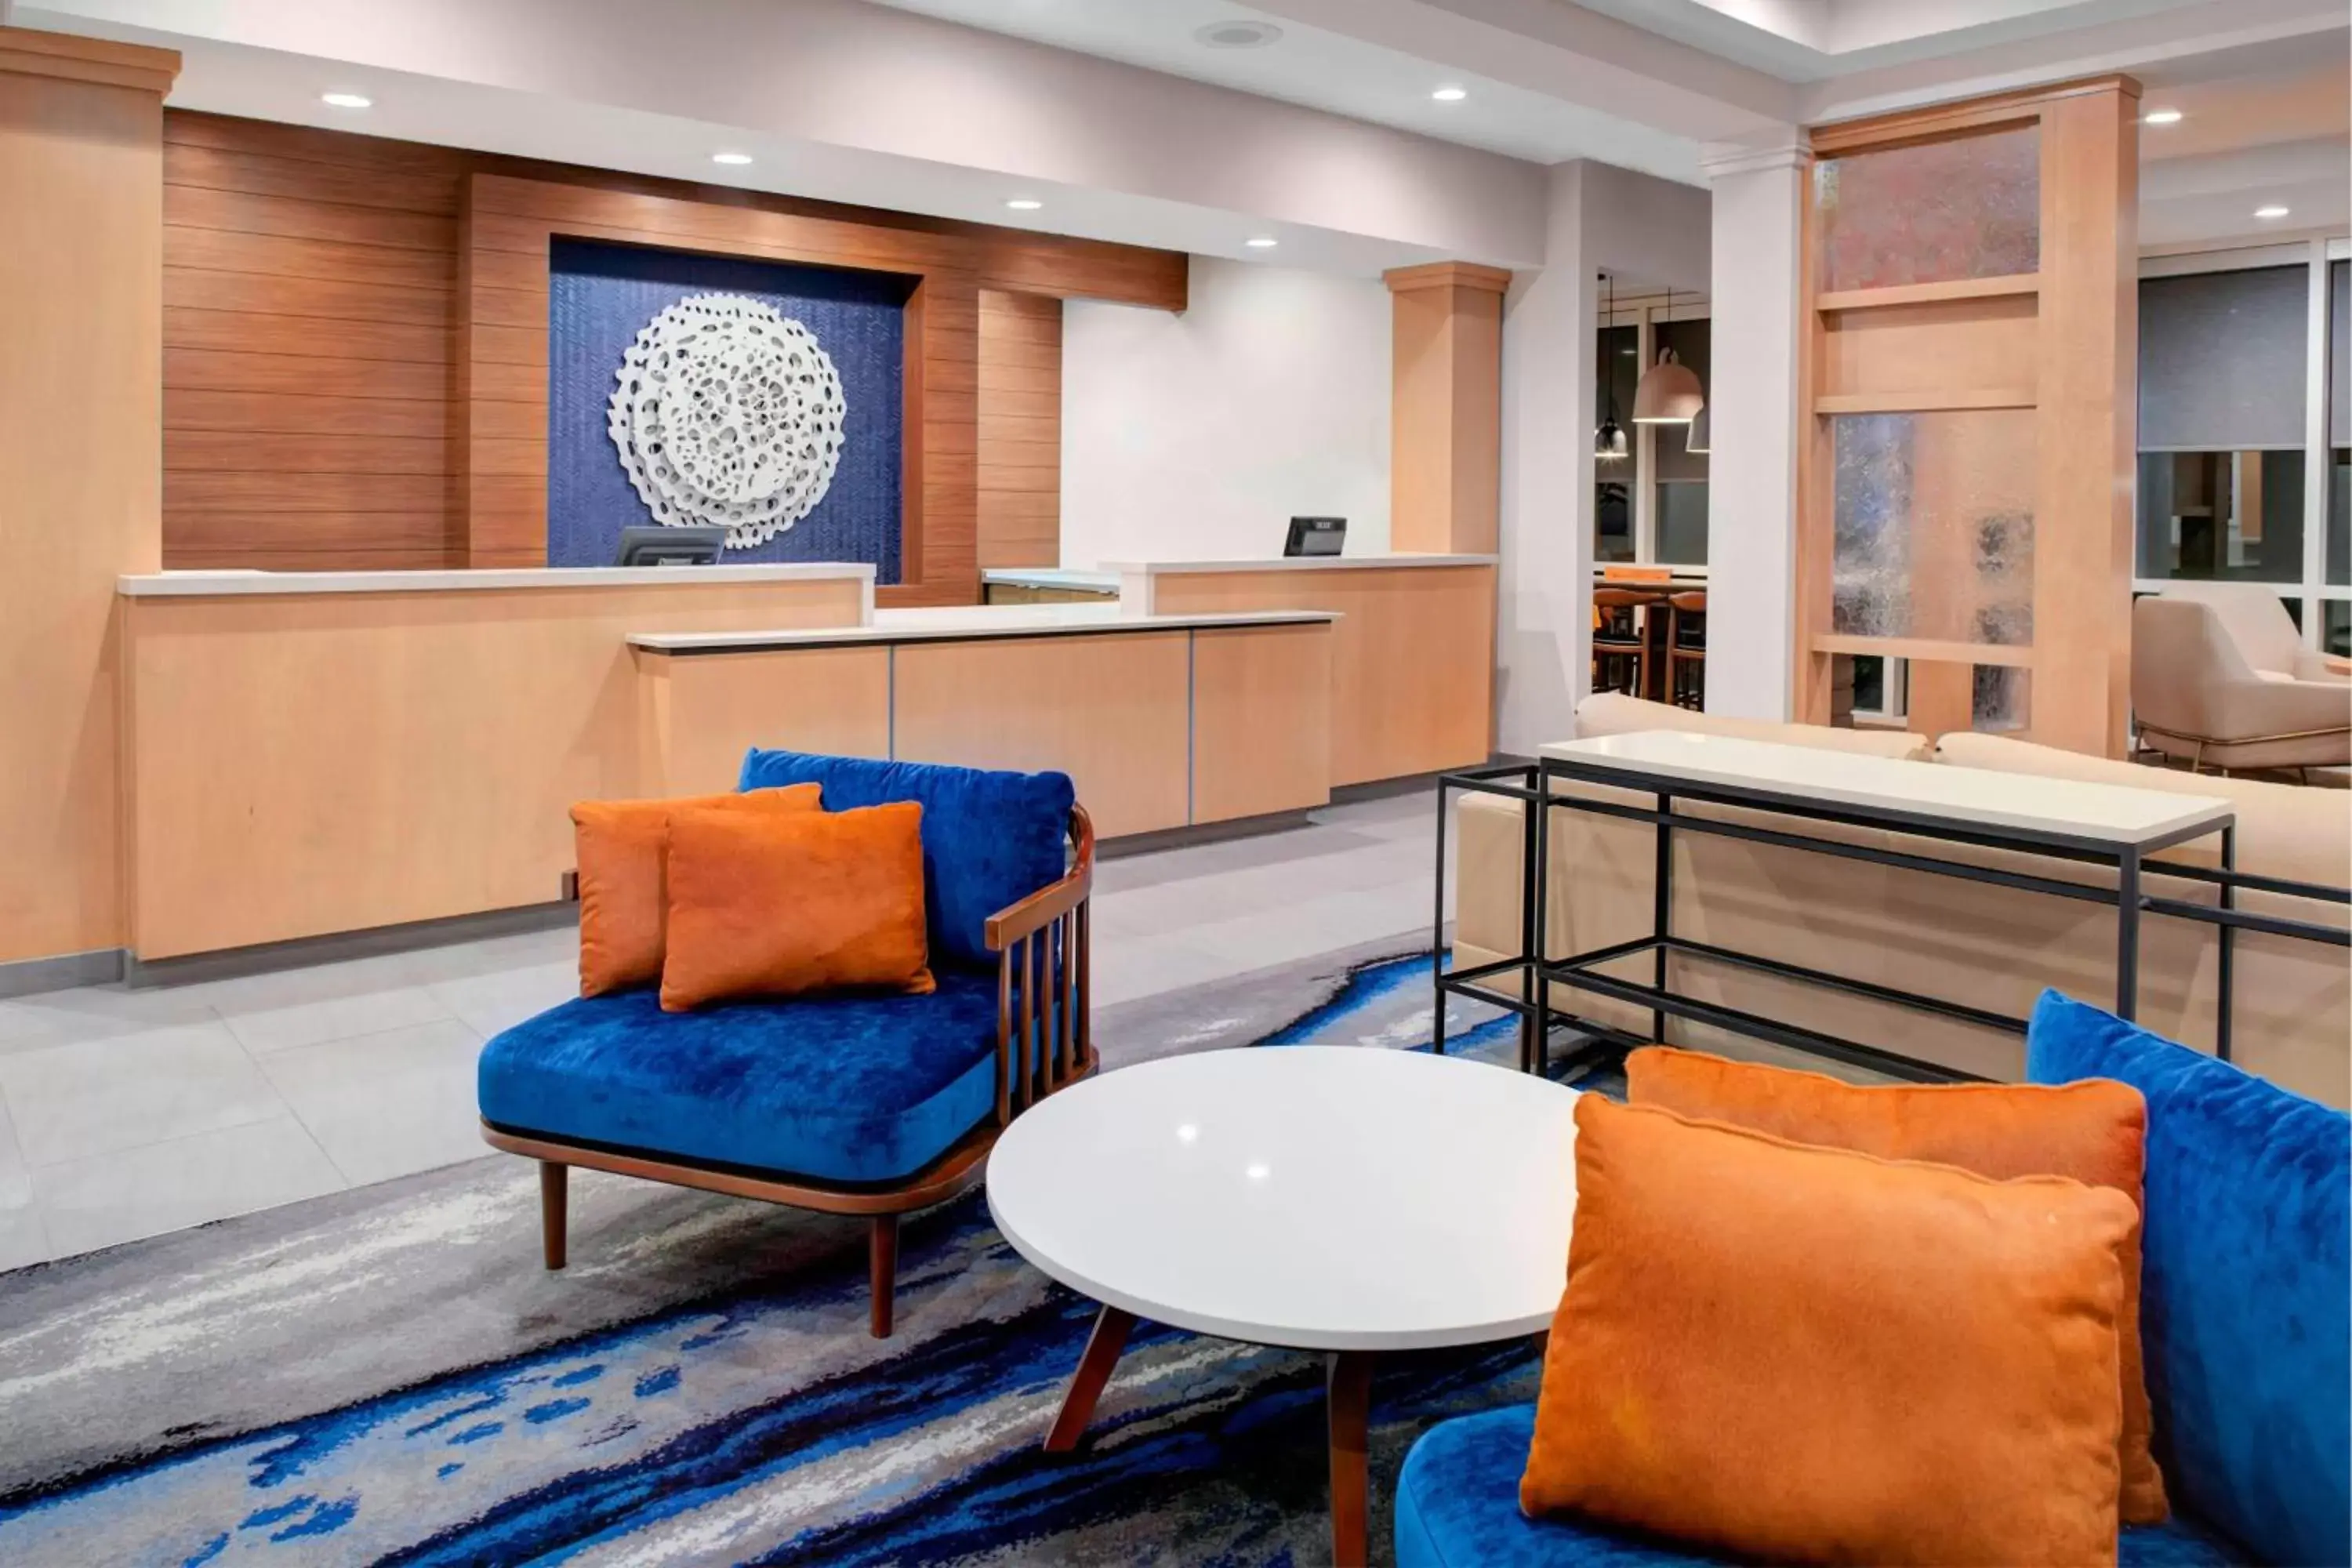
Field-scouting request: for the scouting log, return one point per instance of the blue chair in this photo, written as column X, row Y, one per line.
column 2246, row 1286
column 855, row 1103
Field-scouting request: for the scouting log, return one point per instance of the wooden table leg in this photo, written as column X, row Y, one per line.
column 1109, row 1338
column 1347, row 1394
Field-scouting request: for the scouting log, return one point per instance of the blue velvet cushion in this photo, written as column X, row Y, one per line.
column 1457, row 1506
column 844, row 1088
column 990, row 839
column 2247, row 1321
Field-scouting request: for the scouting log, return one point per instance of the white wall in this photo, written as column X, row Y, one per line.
column 1198, row 436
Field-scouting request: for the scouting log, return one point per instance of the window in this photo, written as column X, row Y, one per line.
column 1619, row 373
column 1678, row 474
column 1650, row 506
column 2243, row 477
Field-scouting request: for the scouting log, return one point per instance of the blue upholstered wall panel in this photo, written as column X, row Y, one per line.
column 598, row 298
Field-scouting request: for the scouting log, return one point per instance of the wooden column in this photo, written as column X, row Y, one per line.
column 82, row 374
column 1445, row 429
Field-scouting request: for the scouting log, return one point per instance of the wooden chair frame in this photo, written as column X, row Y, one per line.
column 1044, row 1042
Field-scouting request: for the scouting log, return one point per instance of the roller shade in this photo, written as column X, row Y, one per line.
column 2221, row 359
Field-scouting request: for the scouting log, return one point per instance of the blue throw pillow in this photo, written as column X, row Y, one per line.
column 990, row 838
column 2246, row 1292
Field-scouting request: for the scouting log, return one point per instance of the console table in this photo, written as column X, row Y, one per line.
column 2101, row 825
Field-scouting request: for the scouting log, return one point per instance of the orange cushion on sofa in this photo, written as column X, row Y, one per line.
column 778, row 904
column 622, row 847
column 1808, row 1354
column 2094, row 1131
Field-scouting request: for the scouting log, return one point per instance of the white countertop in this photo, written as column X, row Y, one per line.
column 156, row 584
column 1053, row 577
column 2115, row 814
column 960, row 623
column 1295, row 563
column 1322, row 1198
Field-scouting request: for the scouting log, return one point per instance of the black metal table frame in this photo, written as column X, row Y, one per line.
column 1536, row 976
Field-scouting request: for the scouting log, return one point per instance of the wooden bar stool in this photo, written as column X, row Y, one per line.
column 1687, row 650
column 1618, row 650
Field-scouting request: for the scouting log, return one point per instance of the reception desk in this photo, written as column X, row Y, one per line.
column 1412, row 655
column 315, row 752
column 1160, row 721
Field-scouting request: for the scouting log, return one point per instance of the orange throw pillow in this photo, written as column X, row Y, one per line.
column 1809, row 1355
column 779, row 904
column 621, row 848
column 2094, row 1131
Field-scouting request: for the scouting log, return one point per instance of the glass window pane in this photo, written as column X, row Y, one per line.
column 2335, row 628
column 2222, row 516
column 1934, row 519
column 1689, row 341
column 2222, row 359
column 2339, row 515
column 2339, row 354
column 1682, row 523
column 1964, row 208
column 1618, row 367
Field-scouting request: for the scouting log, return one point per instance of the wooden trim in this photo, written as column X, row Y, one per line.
column 1922, row 400
column 102, row 62
column 1879, row 132
column 1929, row 649
column 1928, row 293
column 1447, row 275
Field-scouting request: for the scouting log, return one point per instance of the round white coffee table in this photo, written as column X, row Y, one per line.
column 1329, row 1198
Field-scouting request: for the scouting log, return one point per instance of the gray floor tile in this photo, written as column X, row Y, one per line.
column 294, row 1025
column 121, row 1091
column 23, row 1239
column 489, row 1004
column 387, row 1104
column 89, row 1204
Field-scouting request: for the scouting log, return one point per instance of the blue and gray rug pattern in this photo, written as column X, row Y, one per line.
column 388, row 1376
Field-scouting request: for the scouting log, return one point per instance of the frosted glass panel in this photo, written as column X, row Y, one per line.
column 1929, row 214
column 1998, row 695
column 1935, row 526
column 2222, row 359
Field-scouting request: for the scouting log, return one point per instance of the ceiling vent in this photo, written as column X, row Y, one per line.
column 1240, row 34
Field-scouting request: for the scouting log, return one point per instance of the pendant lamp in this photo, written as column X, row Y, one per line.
column 1609, row 440
column 1697, row 445
column 1669, row 393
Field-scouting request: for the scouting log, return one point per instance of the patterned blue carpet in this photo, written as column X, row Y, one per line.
column 388, row 1376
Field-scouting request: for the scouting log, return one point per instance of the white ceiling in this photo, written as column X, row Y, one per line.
column 1319, row 68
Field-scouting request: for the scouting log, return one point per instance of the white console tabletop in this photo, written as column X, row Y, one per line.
column 227, row 583
column 960, row 623
column 2114, row 814
column 1068, row 577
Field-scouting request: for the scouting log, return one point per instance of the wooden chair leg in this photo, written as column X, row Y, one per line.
column 552, row 1193
column 882, row 1269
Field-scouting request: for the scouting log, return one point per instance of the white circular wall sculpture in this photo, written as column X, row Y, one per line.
column 727, row 412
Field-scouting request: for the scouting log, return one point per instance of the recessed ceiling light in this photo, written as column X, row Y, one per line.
column 1261, row 242
column 1450, row 94
column 2162, row 117
column 732, row 159
column 2270, row 212
column 346, row 100
column 1024, row 203
column 1238, row 33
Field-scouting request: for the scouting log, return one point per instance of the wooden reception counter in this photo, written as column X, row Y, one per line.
column 1160, row 721
column 315, row 752
column 1413, row 656
column 311, row 753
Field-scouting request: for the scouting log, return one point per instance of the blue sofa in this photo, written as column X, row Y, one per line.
column 851, row 1104
column 2247, row 1327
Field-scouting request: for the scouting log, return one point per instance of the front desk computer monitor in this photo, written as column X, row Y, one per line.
column 1316, row 536
column 671, row 546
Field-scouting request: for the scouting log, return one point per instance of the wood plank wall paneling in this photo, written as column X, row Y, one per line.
column 312, row 385
column 1020, row 490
